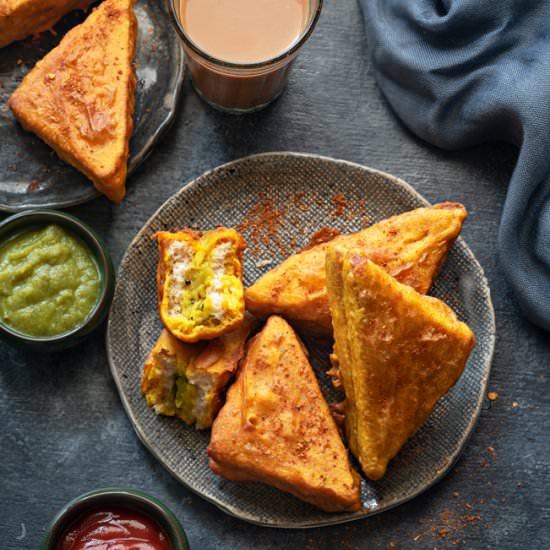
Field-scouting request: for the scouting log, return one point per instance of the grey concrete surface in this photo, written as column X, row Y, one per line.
column 63, row 430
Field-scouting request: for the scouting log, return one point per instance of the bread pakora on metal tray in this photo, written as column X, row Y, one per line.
column 199, row 282
column 398, row 351
column 276, row 427
column 21, row 18
column 411, row 247
column 189, row 380
column 79, row 98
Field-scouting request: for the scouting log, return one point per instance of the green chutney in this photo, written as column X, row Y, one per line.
column 49, row 281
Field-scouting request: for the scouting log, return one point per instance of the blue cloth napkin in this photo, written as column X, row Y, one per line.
column 460, row 72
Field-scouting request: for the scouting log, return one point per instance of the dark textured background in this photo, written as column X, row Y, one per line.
column 63, row 430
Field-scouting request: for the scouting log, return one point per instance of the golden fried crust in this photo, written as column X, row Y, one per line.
column 341, row 358
column 207, row 368
column 411, row 247
column 160, row 371
column 218, row 362
column 399, row 352
column 276, row 427
column 188, row 276
column 296, row 290
column 79, row 98
column 21, row 18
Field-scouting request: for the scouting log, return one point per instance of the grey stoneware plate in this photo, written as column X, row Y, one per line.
column 299, row 194
column 31, row 174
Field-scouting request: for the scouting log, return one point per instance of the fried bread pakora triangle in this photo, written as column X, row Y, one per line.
column 199, row 282
column 21, row 18
column 79, row 98
column 166, row 362
column 188, row 380
column 411, row 247
column 399, row 352
column 276, row 427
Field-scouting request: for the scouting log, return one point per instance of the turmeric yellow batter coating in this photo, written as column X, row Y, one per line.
column 398, row 352
column 189, row 380
column 199, row 282
column 411, row 247
column 79, row 98
column 276, row 427
column 21, row 18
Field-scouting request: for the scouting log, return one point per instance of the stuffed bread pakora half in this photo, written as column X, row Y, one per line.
column 411, row 247
column 199, row 282
column 188, row 380
column 399, row 352
column 79, row 98
column 21, row 18
column 276, row 427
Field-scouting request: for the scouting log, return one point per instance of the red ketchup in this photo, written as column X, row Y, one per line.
column 114, row 529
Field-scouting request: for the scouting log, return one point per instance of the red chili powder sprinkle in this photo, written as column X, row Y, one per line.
column 264, row 221
column 297, row 199
column 324, row 235
column 339, row 203
column 448, row 526
column 35, row 184
column 470, row 518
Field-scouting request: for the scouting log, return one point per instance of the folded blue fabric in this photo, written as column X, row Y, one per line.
column 460, row 72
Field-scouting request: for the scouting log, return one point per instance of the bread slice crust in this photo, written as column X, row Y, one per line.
column 199, row 282
column 411, row 247
column 189, row 380
column 276, row 427
column 79, row 98
column 21, row 18
column 398, row 352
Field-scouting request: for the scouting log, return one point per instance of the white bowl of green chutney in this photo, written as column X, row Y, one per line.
column 56, row 280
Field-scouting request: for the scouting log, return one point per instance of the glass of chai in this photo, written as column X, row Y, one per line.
column 240, row 52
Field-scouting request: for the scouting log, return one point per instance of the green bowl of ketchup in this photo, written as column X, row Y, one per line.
column 113, row 515
column 56, row 280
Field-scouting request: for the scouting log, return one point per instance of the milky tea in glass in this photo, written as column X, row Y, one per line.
column 240, row 52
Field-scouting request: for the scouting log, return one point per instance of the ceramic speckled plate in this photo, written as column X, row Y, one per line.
column 31, row 174
column 299, row 194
